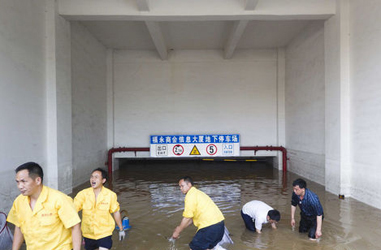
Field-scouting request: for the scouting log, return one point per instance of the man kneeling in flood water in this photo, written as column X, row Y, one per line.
column 200, row 209
column 255, row 213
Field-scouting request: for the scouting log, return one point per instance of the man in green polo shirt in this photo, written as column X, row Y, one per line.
column 205, row 215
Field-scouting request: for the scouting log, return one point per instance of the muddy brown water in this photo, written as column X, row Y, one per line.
column 149, row 191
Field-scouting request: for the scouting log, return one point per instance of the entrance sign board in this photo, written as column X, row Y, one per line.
column 204, row 145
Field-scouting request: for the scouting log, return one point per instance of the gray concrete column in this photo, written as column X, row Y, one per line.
column 337, row 102
column 58, row 100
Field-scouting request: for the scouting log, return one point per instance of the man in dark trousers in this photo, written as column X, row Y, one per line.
column 311, row 211
column 200, row 210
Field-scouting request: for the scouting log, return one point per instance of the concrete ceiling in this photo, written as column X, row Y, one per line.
column 226, row 25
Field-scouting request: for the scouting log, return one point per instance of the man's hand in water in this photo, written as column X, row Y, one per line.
column 122, row 234
column 176, row 233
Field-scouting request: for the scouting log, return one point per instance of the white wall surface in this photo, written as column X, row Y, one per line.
column 89, row 97
column 22, row 94
column 365, row 63
column 305, row 111
column 195, row 92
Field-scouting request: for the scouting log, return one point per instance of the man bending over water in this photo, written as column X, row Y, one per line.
column 205, row 215
column 255, row 213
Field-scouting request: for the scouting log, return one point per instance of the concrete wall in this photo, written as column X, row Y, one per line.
column 89, row 103
column 365, row 97
column 22, row 95
column 353, row 101
column 195, row 92
column 305, row 111
column 36, row 95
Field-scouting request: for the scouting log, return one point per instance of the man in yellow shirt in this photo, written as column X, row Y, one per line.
column 44, row 217
column 96, row 203
column 205, row 215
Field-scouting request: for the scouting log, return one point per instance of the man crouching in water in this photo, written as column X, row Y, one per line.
column 205, row 215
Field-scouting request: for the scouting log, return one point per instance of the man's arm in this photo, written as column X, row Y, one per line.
column 293, row 209
column 118, row 220
column 76, row 236
column 18, row 239
column 319, row 220
column 185, row 222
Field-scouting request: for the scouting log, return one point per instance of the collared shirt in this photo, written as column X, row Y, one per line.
column 258, row 211
column 97, row 221
column 48, row 225
column 201, row 208
column 310, row 205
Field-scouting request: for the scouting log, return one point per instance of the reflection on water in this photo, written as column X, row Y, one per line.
column 166, row 197
column 149, row 191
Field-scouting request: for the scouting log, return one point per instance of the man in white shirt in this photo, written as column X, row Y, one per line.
column 255, row 213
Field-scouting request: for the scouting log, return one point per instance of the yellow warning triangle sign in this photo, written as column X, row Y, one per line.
column 195, row 151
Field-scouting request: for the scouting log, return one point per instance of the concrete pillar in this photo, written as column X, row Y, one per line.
column 58, row 171
column 110, row 104
column 281, row 119
column 110, row 99
column 337, row 97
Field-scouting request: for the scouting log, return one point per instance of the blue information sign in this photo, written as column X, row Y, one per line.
column 195, row 145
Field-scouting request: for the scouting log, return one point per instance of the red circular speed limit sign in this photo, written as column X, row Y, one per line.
column 178, row 149
column 211, row 149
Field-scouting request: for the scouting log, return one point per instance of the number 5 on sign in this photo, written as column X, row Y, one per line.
column 211, row 149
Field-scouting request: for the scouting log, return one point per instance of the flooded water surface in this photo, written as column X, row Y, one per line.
column 149, row 191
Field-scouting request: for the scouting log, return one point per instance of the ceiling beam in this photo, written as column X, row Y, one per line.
column 234, row 37
column 185, row 18
column 158, row 39
column 142, row 5
column 195, row 10
column 251, row 4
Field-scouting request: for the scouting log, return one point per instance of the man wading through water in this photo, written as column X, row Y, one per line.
column 311, row 211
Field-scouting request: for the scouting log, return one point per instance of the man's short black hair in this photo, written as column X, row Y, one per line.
column 103, row 172
column 299, row 182
column 187, row 179
column 274, row 215
column 33, row 168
